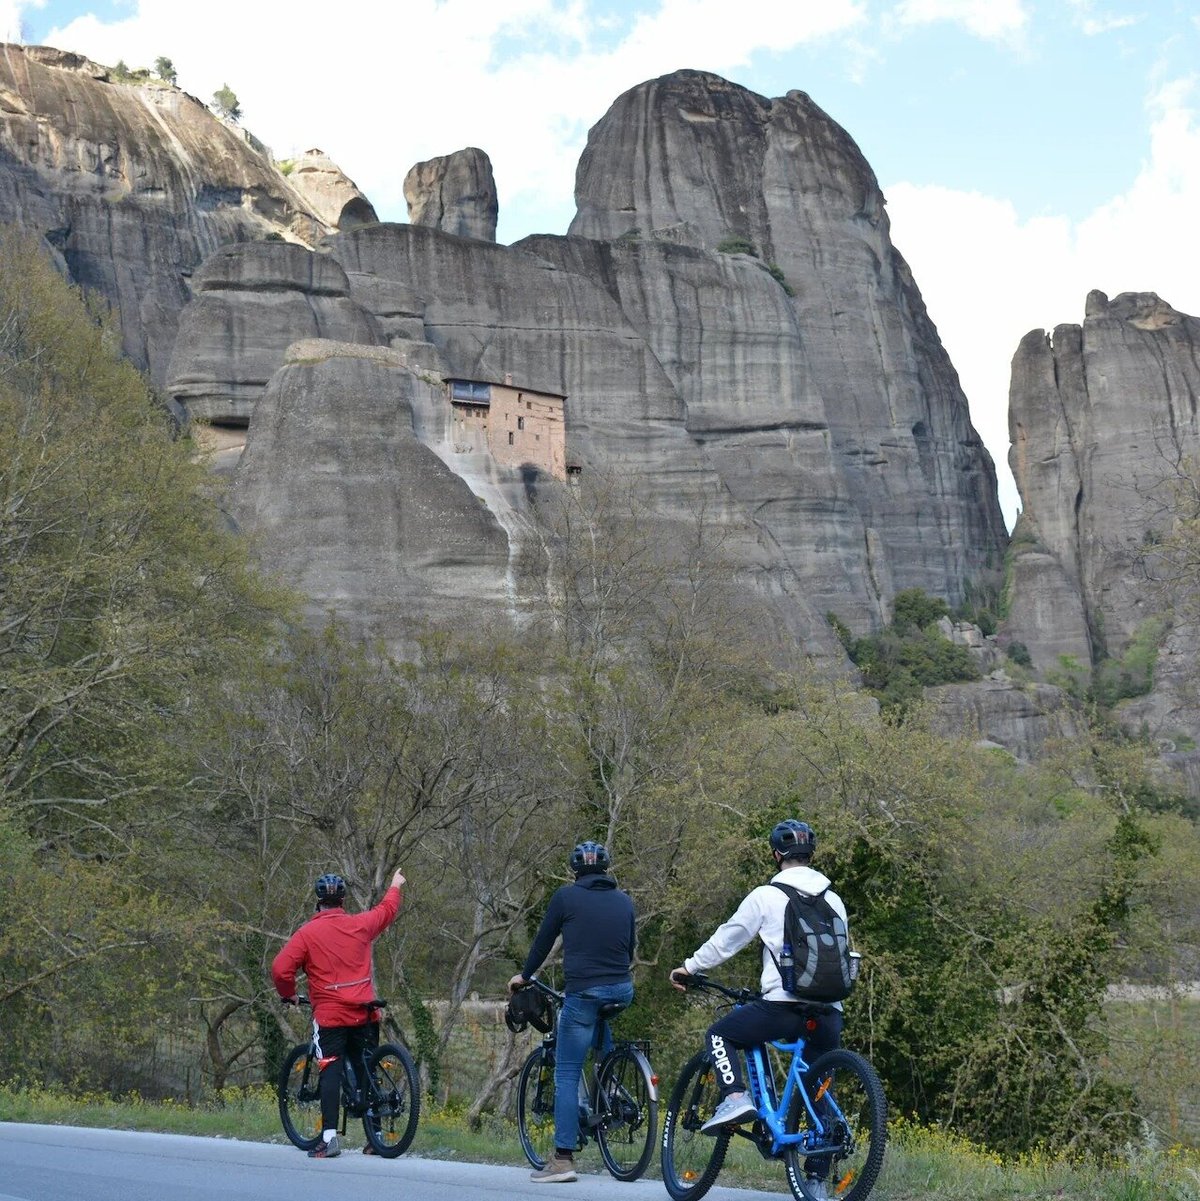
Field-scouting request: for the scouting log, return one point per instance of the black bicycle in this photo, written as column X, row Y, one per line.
column 826, row 1121
column 618, row 1099
column 381, row 1089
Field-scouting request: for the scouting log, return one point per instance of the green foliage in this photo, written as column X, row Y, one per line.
column 980, row 606
column 286, row 166
column 776, row 273
column 914, row 609
column 165, row 70
column 911, row 654
column 1018, row 652
column 1132, row 674
column 737, row 245
column 122, row 599
column 845, row 637
column 226, row 103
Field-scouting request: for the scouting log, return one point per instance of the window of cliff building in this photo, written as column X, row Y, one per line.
column 520, row 423
column 465, row 389
column 510, row 437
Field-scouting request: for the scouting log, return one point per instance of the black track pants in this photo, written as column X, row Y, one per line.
column 767, row 1021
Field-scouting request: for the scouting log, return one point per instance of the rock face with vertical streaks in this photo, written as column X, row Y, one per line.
column 329, row 192
column 352, row 508
column 455, row 193
column 1099, row 414
column 780, row 180
column 134, row 184
column 1103, row 419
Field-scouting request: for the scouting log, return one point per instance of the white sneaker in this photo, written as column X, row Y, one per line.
column 817, row 1189
column 733, row 1111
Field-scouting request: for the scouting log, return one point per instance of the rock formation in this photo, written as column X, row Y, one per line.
column 1101, row 418
column 329, row 192
column 1020, row 718
column 251, row 302
column 1099, row 415
column 133, row 184
column 728, row 321
column 351, row 507
column 454, row 193
column 691, row 152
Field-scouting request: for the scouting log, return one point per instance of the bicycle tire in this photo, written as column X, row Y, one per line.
column 628, row 1129
column 300, row 1098
column 849, row 1170
column 390, row 1122
column 691, row 1161
column 535, row 1107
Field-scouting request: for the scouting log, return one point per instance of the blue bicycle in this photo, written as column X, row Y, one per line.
column 828, row 1121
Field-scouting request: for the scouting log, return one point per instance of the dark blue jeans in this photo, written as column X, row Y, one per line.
column 576, row 1036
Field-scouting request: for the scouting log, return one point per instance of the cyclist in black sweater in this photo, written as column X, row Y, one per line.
column 597, row 924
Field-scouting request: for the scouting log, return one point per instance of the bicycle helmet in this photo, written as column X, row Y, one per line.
column 331, row 889
column 528, row 1007
column 590, row 857
column 792, row 838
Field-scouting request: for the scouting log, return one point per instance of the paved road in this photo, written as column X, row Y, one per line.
column 66, row 1163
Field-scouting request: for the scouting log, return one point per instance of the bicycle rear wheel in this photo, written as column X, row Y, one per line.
column 535, row 1107
column 300, row 1098
column 691, row 1160
column 628, row 1100
column 845, row 1153
column 394, row 1094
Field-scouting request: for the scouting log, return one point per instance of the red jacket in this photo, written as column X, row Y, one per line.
column 334, row 951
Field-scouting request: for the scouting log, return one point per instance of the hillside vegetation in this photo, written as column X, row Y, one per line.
column 179, row 760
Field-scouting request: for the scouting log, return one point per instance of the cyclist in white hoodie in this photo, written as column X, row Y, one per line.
column 778, row 1015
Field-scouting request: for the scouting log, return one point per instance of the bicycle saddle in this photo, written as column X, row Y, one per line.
column 610, row 1009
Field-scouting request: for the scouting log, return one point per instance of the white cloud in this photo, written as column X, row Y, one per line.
column 524, row 79
column 993, row 20
column 988, row 278
column 11, row 18
column 1092, row 24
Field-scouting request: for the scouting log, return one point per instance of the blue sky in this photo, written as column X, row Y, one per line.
column 1030, row 150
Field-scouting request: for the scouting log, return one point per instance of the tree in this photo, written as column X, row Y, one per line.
column 165, row 70
column 226, row 103
column 122, row 596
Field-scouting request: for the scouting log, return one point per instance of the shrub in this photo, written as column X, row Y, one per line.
column 737, row 246
column 776, row 273
column 1018, row 652
column 915, row 609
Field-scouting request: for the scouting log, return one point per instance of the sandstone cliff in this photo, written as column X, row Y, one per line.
column 1101, row 417
column 692, row 152
column 329, row 192
column 134, row 185
column 352, row 507
column 455, row 193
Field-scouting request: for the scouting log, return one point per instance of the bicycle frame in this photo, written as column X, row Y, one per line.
column 773, row 1106
column 773, row 1113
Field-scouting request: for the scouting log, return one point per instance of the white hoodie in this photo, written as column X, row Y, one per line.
column 762, row 913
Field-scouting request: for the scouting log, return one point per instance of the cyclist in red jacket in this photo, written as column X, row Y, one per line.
column 333, row 949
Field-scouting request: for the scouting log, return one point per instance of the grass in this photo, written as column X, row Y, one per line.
column 923, row 1164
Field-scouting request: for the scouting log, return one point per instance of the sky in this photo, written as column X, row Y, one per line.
column 1029, row 150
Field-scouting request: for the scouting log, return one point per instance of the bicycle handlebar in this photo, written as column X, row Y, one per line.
column 740, row 996
column 300, row 999
column 546, row 990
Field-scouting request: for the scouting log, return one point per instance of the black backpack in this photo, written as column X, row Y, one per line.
column 820, row 945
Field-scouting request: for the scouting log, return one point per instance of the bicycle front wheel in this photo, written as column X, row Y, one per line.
column 690, row 1159
column 300, row 1098
column 627, row 1096
column 535, row 1107
column 394, row 1096
column 842, row 1153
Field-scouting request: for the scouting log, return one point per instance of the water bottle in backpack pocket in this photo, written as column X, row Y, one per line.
column 787, row 967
